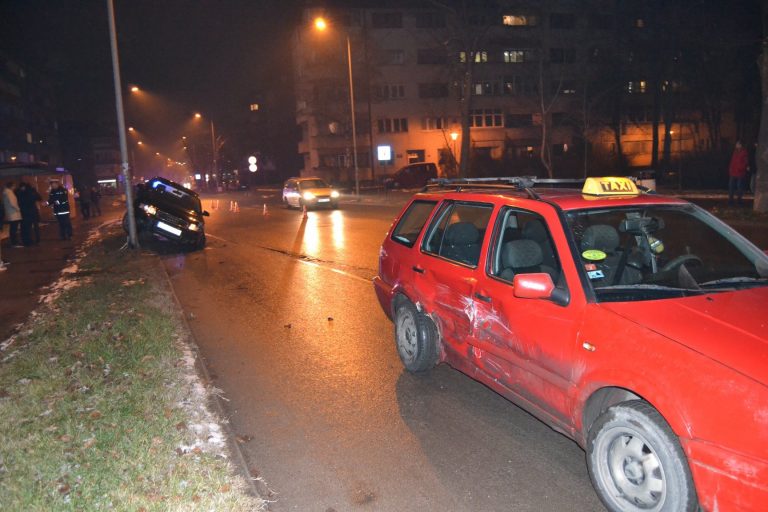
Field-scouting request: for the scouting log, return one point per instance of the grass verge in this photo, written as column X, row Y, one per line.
column 100, row 406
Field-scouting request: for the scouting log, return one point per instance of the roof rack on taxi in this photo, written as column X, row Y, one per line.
column 524, row 183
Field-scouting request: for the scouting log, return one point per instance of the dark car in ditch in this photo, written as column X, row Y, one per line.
column 166, row 209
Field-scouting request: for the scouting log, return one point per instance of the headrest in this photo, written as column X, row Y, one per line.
column 535, row 230
column 601, row 237
column 462, row 233
column 520, row 254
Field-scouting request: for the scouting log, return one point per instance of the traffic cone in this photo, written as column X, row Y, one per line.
column 265, row 212
column 231, row 206
column 304, row 208
column 237, row 207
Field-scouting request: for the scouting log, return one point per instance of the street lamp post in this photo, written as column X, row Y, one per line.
column 321, row 25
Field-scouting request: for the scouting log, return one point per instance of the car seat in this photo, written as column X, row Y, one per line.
column 462, row 243
column 605, row 238
column 534, row 230
column 522, row 257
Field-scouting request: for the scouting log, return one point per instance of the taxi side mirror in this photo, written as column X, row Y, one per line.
column 539, row 286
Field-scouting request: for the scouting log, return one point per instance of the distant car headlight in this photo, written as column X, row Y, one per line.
column 308, row 196
column 194, row 227
column 334, row 194
column 148, row 209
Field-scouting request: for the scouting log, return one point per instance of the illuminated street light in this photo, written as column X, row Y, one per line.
column 321, row 25
column 454, row 136
column 135, row 88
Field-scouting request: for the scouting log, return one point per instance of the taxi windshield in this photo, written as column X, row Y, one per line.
column 662, row 251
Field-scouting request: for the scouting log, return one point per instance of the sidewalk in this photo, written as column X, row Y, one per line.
column 33, row 268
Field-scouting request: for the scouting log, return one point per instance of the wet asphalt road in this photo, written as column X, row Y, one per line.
column 287, row 320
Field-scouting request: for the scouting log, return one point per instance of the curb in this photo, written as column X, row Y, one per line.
column 257, row 486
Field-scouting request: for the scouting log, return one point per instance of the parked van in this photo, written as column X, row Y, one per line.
column 412, row 176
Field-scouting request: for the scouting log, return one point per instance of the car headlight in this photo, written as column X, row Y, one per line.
column 308, row 196
column 148, row 209
column 334, row 194
column 194, row 227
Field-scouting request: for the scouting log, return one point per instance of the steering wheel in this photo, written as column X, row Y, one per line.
column 675, row 263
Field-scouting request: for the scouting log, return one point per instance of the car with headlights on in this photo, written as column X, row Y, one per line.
column 309, row 192
column 632, row 322
column 170, row 211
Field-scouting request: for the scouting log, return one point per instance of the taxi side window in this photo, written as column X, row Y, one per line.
column 458, row 231
column 407, row 230
column 523, row 246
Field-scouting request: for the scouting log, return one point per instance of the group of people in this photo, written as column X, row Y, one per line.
column 20, row 212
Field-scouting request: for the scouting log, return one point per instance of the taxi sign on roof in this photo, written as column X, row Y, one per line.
column 609, row 186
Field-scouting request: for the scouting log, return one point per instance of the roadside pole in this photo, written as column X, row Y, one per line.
column 133, row 242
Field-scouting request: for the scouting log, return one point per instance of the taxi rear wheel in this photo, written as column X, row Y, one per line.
column 636, row 462
column 415, row 338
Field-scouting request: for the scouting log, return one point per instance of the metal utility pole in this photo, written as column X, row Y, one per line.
column 133, row 241
column 352, row 109
column 213, row 149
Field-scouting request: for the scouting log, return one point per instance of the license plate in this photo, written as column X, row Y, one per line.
column 170, row 229
column 323, row 200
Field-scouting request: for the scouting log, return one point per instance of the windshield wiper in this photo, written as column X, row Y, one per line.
column 735, row 282
column 643, row 292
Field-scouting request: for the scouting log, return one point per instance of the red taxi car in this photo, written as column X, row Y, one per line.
column 634, row 323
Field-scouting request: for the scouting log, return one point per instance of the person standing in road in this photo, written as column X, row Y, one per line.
column 12, row 213
column 737, row 173
column 83, row 198
column 59, row 200
column 95, row 198
column 30, row 215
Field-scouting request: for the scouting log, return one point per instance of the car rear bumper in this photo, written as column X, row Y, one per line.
column 726, row 480
column 385, row 294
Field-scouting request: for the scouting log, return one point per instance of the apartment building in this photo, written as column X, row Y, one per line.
column 571, row 83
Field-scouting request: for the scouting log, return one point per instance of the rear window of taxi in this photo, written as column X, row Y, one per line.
column 412, row 222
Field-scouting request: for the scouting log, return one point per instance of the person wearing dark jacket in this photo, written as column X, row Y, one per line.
column 30, row 215
column 58, row 199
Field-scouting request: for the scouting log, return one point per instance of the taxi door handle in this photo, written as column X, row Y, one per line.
column 484, row 298
column 418, row 269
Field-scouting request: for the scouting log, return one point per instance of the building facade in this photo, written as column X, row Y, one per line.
column 550, row 87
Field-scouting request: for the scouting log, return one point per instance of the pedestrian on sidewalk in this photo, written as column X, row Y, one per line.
column 95, row 198
column 12, row 213
column 30, row 215
column 59, row 200
column 737, row 173
column 85, row 203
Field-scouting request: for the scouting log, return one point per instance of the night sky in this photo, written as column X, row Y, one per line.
column 215, row 57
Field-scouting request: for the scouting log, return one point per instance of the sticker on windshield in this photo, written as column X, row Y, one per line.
column 596, row 274
column 594, row 255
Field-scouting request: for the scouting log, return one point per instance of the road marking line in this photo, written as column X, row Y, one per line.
column 312, row 263
column 347, row 274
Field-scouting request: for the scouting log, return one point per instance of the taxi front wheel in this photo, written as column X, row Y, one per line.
column 636, row 462
column 415, row 337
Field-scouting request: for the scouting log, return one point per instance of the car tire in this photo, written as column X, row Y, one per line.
column 636, row 463
column 415, row 338
column 200, row 245
column 335, row 205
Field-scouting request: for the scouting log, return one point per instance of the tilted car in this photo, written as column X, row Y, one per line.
column 634, row 323
column 167, row 209
column 309, row 192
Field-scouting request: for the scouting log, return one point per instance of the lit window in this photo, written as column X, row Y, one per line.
column 479, row 56
column 520, row 20
column 515, row 56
